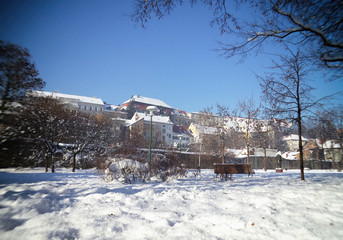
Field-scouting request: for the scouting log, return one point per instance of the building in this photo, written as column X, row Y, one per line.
column 181, row 135
column 180, row 118
column 141, row 103
column 293, row 142
column 332, row 151
column 82, row 103
column 200, row 132
column 311, row 151
column 162, row 129
column 115, row 111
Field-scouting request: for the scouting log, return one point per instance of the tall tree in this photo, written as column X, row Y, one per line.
column 42, row 123
column 17, row 74
column 287, row 93
column 316, row 26
column 249, row 123
column 87, row 131
column 212, row 130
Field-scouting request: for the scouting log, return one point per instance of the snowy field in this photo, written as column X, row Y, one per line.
column 65, row 205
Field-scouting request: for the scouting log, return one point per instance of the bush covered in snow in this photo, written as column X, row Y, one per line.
column 130, row 171
column 127, row 170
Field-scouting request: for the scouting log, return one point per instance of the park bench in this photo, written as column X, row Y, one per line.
column 226, row 170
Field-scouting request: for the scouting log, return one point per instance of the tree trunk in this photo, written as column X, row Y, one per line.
column 4, row 101
column 46, row 164
column 301, row 151
column 52, row 165
column 74, row 162
column 248, row 154
column 265, row 159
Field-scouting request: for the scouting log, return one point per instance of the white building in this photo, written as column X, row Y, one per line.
column 293, row 142
column 181, row 135
column 162, row 128
column 82, row 103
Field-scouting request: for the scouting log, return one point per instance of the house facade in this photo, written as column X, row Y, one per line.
column 92, row 105
column 162, row 129
column 293, row 142
column 332, row 151
column 181, row 136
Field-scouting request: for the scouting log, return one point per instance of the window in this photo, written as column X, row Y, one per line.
column 90, row 108
column 85, row 107
column 95, row 109
column 164, row 131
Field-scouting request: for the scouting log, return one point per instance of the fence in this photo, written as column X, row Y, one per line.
column 206, row 162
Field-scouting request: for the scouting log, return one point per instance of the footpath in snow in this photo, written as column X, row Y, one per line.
column 81, row 205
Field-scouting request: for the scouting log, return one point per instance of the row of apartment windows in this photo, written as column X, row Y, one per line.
column 90, row 108
column 183, row 138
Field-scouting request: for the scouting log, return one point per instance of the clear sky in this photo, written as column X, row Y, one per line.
column 92, row 48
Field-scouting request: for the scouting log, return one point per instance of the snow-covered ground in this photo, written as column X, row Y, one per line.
column 65, row 205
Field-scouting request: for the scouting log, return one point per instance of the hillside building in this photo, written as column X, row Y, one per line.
column 82, row 103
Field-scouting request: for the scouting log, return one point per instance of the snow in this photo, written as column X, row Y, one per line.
column 205, row 129
column 155, row 119
column 290, row 155
column 331, row 144
column 293, row 137
column 148, row 101
column 82, row 205
column 84, row 99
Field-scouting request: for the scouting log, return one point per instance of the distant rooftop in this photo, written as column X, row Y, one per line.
column 84, row 99
column 148, row 101
column 155, row 119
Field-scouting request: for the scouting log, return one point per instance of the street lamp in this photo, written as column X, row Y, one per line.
column 151, row 109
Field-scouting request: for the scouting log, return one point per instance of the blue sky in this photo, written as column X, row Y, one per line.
column 92, row 48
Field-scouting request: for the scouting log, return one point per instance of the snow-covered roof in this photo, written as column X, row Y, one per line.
column 148, row 101
column 180, row 112
column 62, row 96
column 330, row 144
column 293, row 137
column 290, row 155
column 258, row 152
column 181, row 130
column 205, row 129
column 111, row 107
column 155, row 119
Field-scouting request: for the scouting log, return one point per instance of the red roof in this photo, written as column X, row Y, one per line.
column 181, row 129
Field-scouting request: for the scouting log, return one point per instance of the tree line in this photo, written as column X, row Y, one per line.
column 309, row 31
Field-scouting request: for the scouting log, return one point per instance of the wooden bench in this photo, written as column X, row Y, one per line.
column 227, row 170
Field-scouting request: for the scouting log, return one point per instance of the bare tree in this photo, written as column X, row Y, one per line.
column 248, row 121
column 42, row 123
column 288, row 94
column 211, row 133
column 316, row 26
column 17, row 74
column 337, row 114
column 88, row 131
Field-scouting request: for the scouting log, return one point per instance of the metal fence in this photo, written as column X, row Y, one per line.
column 206, row 162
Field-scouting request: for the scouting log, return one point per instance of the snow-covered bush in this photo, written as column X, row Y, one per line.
column 130, row 171
column 164, row 168
column 127, row 171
